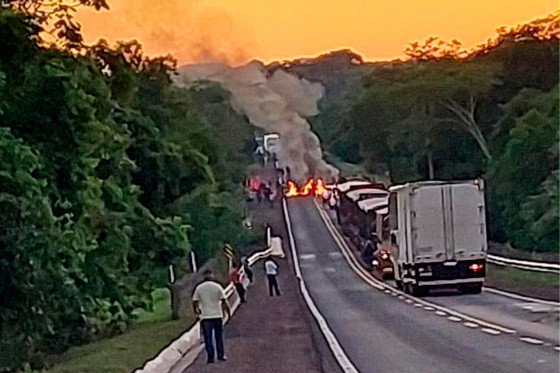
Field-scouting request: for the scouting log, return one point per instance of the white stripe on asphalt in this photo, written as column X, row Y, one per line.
column 427, row 308
column 440, row 313
column 532, row 341
column 469, row 324
column 334, row 345
column 454, row 318
column 490, row 331
column 347, row 252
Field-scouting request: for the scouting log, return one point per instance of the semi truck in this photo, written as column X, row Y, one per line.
column 438, row 235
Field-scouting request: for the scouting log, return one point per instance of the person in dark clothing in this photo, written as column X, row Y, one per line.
column 238, row 284
column 368, row 250
column 248, row 270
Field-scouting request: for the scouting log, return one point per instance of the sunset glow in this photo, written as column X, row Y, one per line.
column 241, row 30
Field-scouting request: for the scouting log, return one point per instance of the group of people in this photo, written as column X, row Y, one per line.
column 210, row 303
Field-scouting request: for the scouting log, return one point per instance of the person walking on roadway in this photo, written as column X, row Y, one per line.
column 209, row 304
column 271, row 269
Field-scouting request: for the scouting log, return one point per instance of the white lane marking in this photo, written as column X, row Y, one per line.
column 401, row 297
column 334, row 345
column 347, row 252
column 427, row 308
column 521, row 297
column 490, row 331
column 307, row 256
column 440, row 313
column 335, row 255
column 454, row 318
column 418, row 305
column 532, row 341
column 469, row 324
column 330, row 270
column 387, row 291
column 409, row 301
column 394, row 294
column 538, row 307
column 557, row 348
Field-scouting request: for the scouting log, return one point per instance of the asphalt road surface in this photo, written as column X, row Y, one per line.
column 381, row 331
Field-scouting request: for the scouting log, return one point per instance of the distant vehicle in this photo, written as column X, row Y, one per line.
column 438, row 235
column 382, row 264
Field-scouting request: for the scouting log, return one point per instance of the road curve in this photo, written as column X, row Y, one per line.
column 380, row 332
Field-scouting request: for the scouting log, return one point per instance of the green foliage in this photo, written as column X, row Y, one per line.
column 523, row 177
column 108, row 175
column 448, row 114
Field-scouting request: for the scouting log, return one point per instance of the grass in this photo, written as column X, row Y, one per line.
column 123, row 354
column 531, row 283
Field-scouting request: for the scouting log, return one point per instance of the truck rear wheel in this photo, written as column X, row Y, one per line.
column 416, row 291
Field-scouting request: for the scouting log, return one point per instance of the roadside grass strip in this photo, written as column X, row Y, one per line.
column 440, row 310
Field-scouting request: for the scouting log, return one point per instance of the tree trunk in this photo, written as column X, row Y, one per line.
column 465, row 118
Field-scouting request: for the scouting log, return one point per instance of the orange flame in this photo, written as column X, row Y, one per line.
column 320, row 190
column 307, row 188
column 292, row 189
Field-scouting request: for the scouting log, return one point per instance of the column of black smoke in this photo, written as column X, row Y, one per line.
column 279, row 103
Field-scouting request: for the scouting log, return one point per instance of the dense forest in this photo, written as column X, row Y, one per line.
column 108, row 174
column 451, row 113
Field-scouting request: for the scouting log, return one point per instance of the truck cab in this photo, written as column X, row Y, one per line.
column 438, row 235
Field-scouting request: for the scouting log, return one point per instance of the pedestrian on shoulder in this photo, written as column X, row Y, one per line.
column 209, row 304
column 248, row 272
column 271, row 269
column 237, row 283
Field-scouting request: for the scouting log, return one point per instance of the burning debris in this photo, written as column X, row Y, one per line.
column 277, row 102
column 313, row 187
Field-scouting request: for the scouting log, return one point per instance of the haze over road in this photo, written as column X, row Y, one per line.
column 380, row 332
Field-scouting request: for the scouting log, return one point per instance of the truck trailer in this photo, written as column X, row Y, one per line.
column 438, row 235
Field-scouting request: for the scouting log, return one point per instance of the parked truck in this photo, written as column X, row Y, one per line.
column 438, row 235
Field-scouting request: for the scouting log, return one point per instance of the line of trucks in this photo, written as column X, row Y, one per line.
column 426, row 235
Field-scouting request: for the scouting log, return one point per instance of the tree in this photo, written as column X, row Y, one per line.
column 521, row 178
column 56, row 17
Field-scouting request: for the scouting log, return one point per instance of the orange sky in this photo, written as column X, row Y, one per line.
column 236, row 31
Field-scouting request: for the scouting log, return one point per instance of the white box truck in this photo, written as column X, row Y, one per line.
column 438, row 235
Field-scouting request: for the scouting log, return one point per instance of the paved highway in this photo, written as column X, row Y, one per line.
column 383, row 331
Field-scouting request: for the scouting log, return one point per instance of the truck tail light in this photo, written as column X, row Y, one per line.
column 476, row 267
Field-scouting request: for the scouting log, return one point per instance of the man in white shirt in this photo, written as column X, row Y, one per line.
column 209, row 304
column 271, row 269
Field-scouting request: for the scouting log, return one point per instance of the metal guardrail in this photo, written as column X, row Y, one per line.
column 524, row 264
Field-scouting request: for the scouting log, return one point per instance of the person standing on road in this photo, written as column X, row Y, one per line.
column 271, row 269
column 248, row 272
column 237, row 283
column 209, row 304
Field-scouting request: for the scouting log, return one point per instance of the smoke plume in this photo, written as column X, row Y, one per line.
column 278, row 103
column 192, row 31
